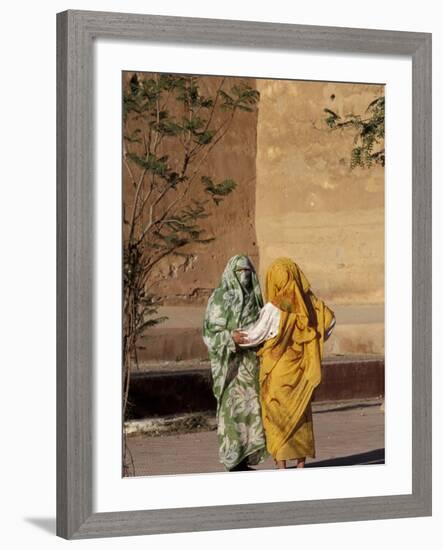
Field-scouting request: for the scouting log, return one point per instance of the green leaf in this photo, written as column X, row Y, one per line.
column 134, row 84
column 369, row 133
column 204, row 138
column 195, row 123
column 218, row 190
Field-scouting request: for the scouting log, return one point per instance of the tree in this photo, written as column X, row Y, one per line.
column 170, row 128
column 369, row 137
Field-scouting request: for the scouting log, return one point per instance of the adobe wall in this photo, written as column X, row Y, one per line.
column 309, row 204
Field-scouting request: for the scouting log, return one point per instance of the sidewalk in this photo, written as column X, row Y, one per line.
column 347, row 433
column 359, row 330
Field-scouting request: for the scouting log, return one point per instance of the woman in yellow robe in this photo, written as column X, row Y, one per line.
column 290, row 361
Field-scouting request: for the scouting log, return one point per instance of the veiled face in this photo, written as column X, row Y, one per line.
column 244, row 277
column 286, row 285
column 243, row 271
column 277, row 279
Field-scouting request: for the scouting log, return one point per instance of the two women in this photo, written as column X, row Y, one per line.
column 291, row 329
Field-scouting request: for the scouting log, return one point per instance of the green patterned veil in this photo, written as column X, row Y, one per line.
column 230, row 306
column 235, row 304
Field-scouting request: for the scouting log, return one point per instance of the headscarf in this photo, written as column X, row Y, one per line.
column 304, row 317
column 235, row 303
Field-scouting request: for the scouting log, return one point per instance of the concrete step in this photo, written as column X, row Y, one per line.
column 166, row 388
column 359, row 330
column 203, row 421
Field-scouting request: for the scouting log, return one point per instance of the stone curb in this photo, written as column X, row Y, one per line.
column 206, row 421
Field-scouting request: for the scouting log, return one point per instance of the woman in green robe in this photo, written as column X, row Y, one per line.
column 235, row 303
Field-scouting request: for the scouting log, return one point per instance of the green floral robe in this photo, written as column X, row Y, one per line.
column 236, row 303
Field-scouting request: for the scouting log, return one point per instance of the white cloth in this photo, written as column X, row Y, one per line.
column 264, row 328
column 267, row 325
column 329, row 330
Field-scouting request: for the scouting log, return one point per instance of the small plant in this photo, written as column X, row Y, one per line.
column 369, row 137
column 170, row 129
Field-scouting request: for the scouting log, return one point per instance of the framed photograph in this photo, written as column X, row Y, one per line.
column 244, row 274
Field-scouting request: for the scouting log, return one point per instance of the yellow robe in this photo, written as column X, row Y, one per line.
column 291, row 362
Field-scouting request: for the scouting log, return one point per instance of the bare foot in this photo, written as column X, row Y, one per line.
column 300, row 462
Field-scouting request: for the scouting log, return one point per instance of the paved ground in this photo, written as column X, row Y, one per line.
column 346, row 434
column 158, row 366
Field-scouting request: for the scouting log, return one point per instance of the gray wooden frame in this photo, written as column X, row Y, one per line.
column 76, row 31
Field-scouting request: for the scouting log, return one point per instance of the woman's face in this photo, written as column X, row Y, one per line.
column 244, row 275
column 280, row 277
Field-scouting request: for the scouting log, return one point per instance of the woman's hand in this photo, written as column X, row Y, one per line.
column 240, row 337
